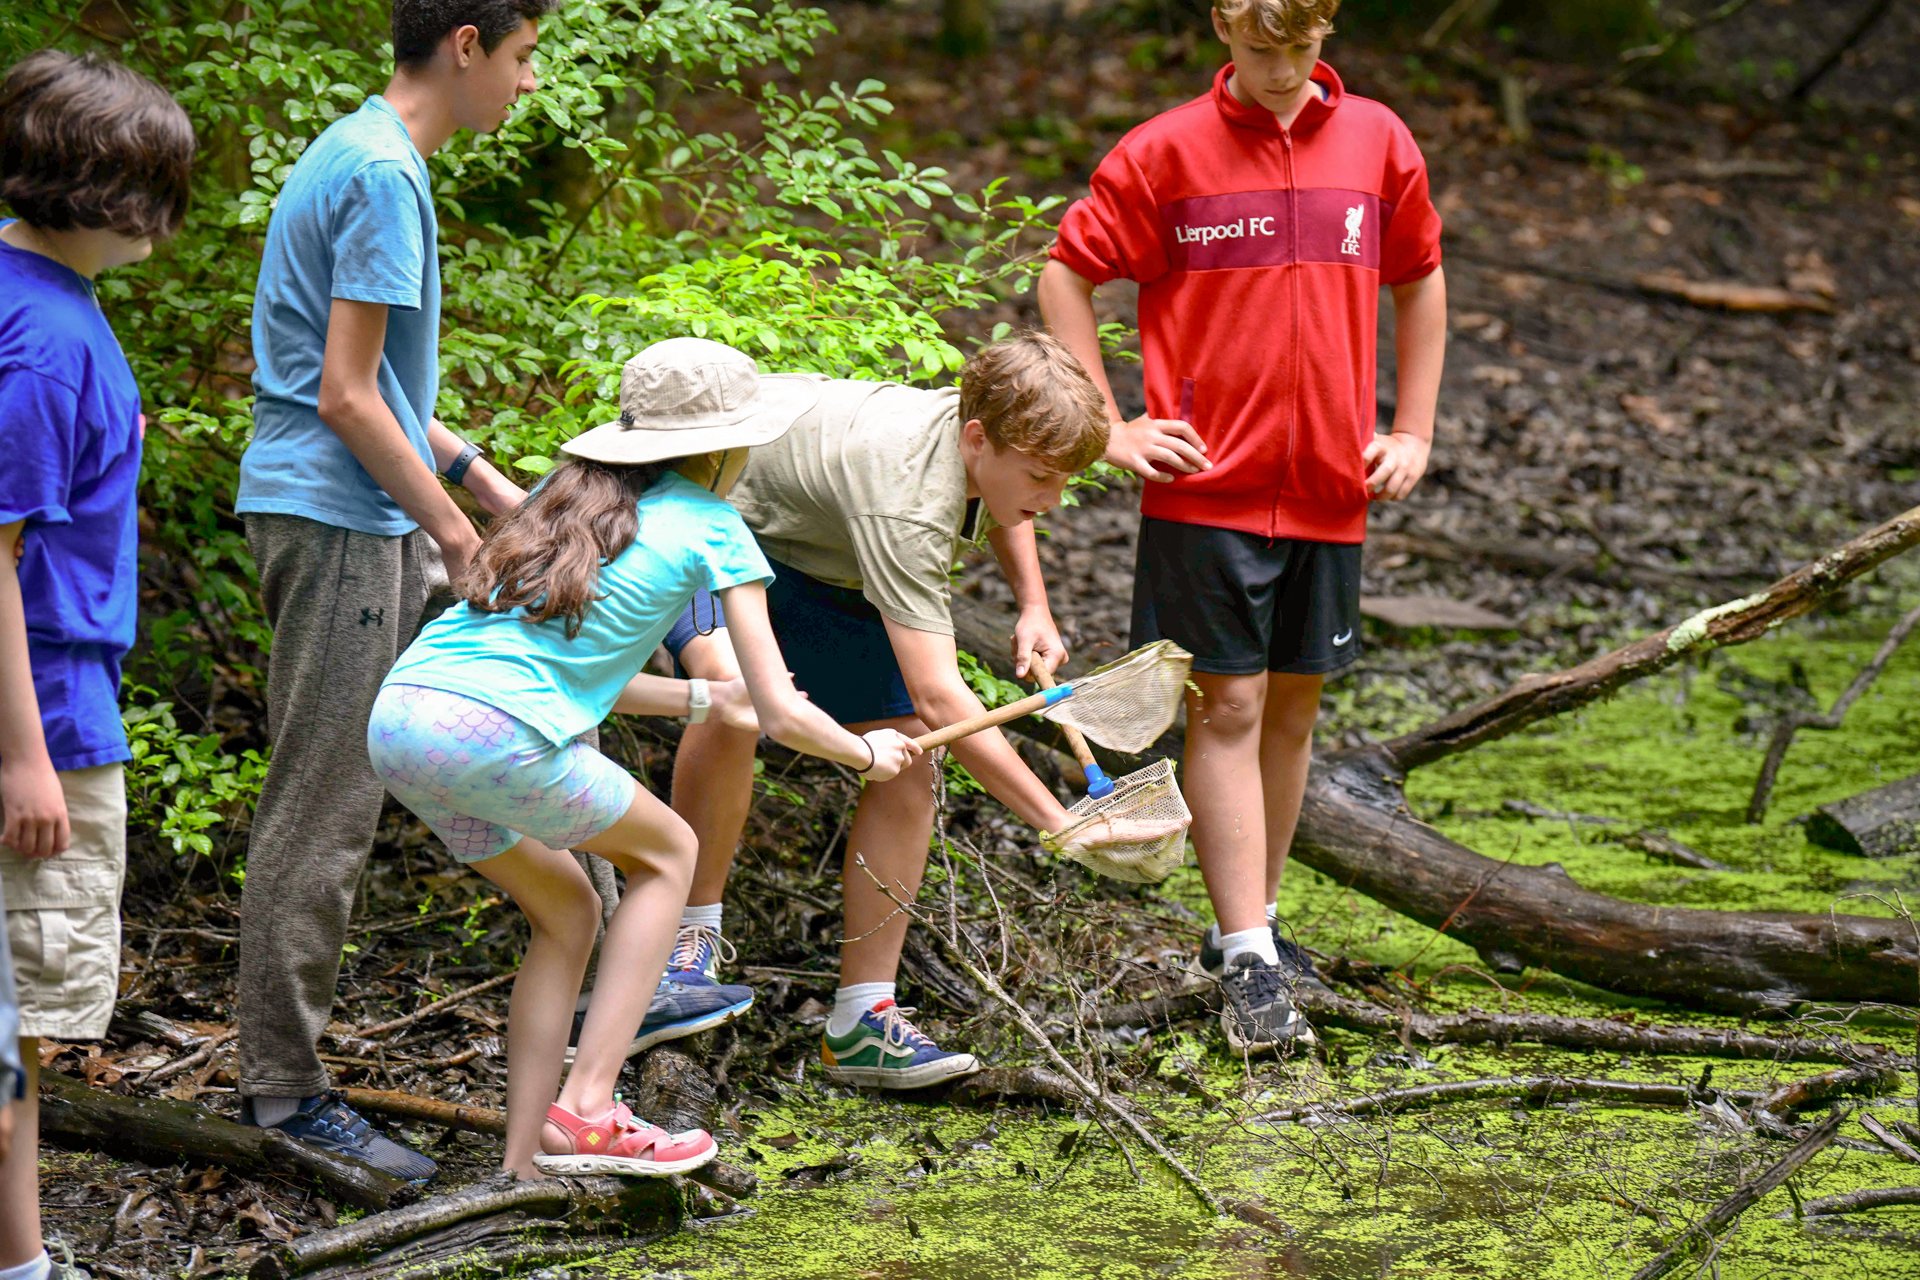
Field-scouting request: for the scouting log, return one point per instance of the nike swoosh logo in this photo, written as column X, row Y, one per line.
column 1342, row 638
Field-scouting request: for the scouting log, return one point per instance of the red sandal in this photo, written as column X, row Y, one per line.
column 619, row 1144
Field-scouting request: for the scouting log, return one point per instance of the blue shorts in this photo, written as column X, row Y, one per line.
column 483, row 781
column 835, row 643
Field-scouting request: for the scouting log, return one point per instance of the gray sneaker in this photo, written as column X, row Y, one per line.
column 1258, row 1014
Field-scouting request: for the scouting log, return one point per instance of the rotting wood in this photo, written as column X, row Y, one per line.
column 1812, row 1091
column 1016, row 1084
column 162, row 1131
column 1725, row 1213
column 501, row 1204
column 1535, row 1090
column 1881, row 823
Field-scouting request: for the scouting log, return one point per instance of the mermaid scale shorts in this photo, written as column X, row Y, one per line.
column 484, row 781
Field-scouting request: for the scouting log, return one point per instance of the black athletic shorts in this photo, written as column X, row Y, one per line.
column 1242, row 604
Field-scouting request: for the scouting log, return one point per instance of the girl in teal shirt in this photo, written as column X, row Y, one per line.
column 478, row 727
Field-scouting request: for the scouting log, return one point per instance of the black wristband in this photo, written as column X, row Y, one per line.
column 871, row 761
column 456, row 472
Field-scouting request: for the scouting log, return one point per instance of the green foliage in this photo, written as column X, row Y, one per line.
column 665, row 179
column 181, row 785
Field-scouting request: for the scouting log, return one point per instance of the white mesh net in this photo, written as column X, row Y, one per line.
column 1127, row 704
column 1137, row 834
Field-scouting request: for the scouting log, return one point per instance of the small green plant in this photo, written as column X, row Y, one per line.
column 1621, row 174
column 183, row 784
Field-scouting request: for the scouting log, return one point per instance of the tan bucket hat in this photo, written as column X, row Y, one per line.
column 687, row 396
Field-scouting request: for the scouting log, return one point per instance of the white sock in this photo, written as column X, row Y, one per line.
column 1273, row 913
column 32, row 1269
column 1257, row 941
column 266, row 1112
column 850, row 1002
column 708, row 916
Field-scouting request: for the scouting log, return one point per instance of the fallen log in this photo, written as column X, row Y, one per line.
column 1536, row 1090
column 1327, row 1009
column 449, row 1225
column 1856, row 1202
column 1016, row 1084
column 1732, row 295
column 162, row 1131
column 1727, row 1211
column 1881, row 823
column 1890, row 1141
column 1354, row 828
column 1798, row 1095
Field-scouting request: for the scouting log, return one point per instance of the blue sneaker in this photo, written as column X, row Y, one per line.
column 683, row 1005
column 327, row 1122
column 698, row 949
column 886, row 1051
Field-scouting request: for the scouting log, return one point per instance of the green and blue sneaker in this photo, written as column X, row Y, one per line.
column 886, row 1051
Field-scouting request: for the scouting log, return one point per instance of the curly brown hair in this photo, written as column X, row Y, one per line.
column 1281, row 21
column 1031, row 394
column 86, row 142
column 544, row 556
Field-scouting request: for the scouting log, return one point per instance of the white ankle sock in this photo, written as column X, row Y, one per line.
column 1273, row 913
column 32, row 1269
column 1257, row 941
column 266, row 1112
column 708, row 916
column 850, row 1002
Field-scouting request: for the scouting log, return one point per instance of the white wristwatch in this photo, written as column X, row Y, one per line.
column 699, row 701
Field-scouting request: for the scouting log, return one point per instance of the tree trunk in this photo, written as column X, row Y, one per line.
column 1881, row 823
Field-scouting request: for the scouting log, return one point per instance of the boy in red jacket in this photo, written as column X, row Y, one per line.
column 1261, row 221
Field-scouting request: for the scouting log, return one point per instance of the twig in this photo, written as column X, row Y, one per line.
column 1818, row 72
column 1041, row 1040
column 1888, row 1140
column 188, row 1063
column 1793, row 723
column 438, row 1006
column 1683, row 26
column 1724, row 1213
column 1535, row 1089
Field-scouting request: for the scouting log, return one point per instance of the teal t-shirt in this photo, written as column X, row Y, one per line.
column 354, row 221
column 563, row 687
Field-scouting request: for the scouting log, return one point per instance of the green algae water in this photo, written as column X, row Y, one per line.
column 856, row 1186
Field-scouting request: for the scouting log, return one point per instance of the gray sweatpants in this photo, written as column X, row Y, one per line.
column 342, row 605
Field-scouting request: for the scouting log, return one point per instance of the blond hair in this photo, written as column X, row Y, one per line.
column 1031, row 394
column 1281, row 21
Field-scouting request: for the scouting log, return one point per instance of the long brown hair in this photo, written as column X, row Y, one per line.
column 545, row 555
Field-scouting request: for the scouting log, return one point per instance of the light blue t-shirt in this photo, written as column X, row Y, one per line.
column 354, row 221
column 563, row 687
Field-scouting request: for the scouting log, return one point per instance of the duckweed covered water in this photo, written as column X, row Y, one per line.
column 889, row 1188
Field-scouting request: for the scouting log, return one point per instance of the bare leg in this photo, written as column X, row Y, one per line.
column 713, row 775
column 1286, row 751
column 1223, row 785
column 564, row 913
column 20, row 1172
column 655, row 848
column 891, row 827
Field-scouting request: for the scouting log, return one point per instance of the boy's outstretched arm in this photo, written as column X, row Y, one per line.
column 1036, row 640
column 1396, row 462
column 1145, row 445
column 31, row 801
column 352, row 408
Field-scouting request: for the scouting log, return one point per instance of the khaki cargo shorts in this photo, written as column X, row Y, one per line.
column 63, row 913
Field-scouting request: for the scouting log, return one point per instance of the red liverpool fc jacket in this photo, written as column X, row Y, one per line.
column 1260, row 253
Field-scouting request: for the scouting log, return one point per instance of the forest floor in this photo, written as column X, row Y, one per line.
column 1607, row 461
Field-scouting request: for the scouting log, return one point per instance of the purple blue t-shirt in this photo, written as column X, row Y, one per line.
column 70, row 470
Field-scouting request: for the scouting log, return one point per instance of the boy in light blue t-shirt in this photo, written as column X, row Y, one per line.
column 347, row 522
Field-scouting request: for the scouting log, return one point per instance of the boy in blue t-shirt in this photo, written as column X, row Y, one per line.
column 347, row 522
column 95, row 164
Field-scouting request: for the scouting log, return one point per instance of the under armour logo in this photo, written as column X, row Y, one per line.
column 1351, row 245
column 373, row 617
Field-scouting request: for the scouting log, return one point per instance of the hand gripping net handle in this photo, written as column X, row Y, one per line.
column 1150, row 795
